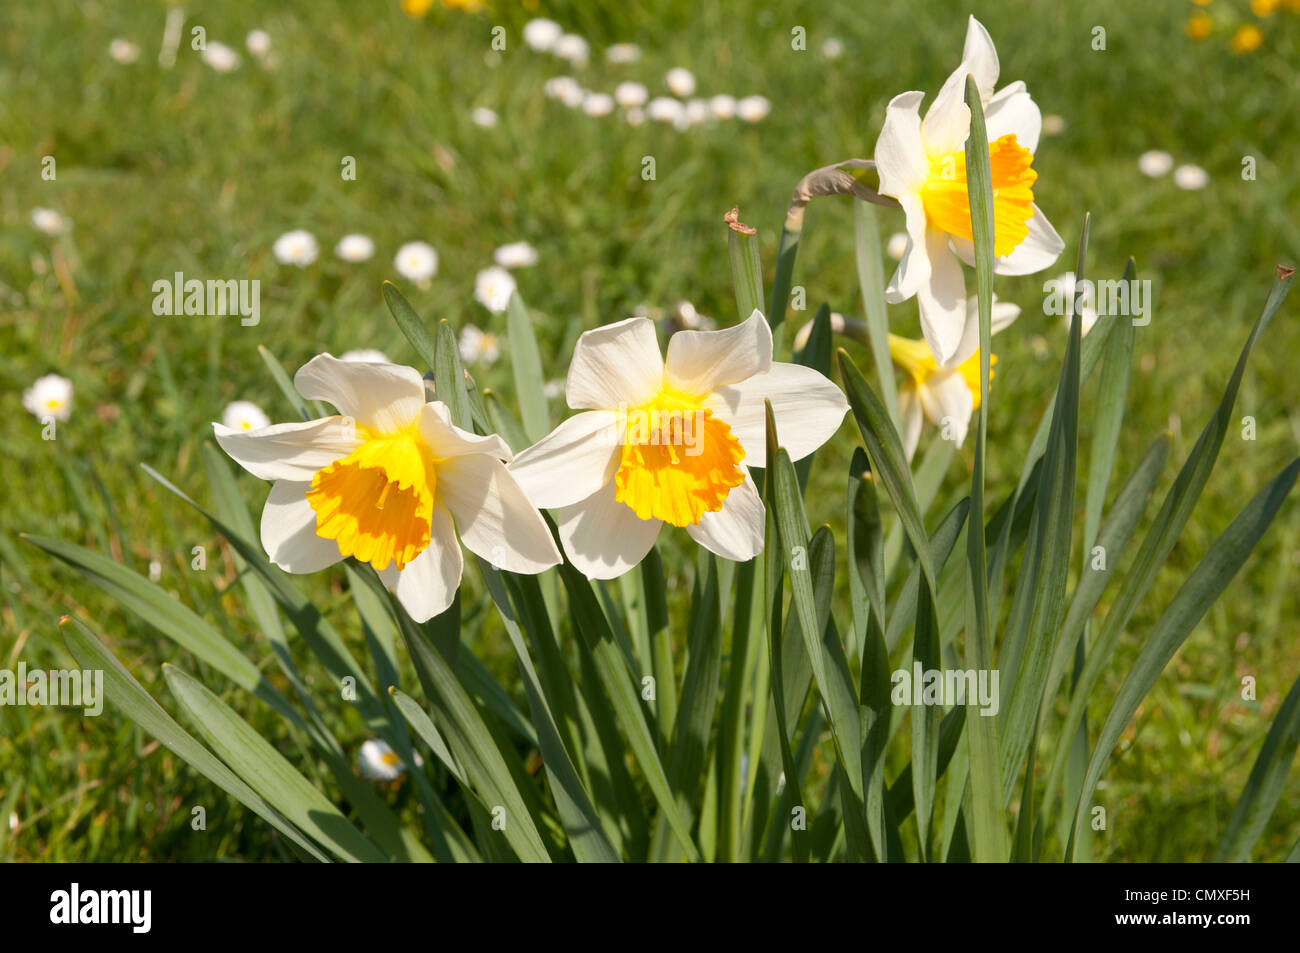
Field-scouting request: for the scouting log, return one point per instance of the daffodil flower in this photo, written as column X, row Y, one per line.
column 922, row 164
column 671, row 441
column 948, row 397
column 391, row 481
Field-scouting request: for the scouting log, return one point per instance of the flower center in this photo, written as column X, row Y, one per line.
column 947, row 204
column 377, row 502
column 679, row 461
column 914, row 358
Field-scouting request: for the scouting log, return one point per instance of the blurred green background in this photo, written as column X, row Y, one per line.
column 189, row 169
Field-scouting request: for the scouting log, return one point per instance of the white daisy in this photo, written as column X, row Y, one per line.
column 244, row 415
column 124, row 51
column 378, row 762
column 690, row 319
column 566, row 90
column 220, row 57
column 493, row 288
column 679, row 81
column 1053, row 125
column 477, row 346
column 49, row 396
column 297, row 247
column 698, row 111
column 416, row 261
column 1191, row 177
column 1155, row 163
column 833, row 48
column 553, row 388
column 623, row 53
column 365, row 356
column 753, row 108
column 515, row 255
column 896, row 245
column 48, row 221
column 723, row 106
column 629, row 95
column 482, row 116
column 258, row 43
column 573, row 48
column 598, row 104
column 541, row 34
column 665, row 109
column 355, row 247
column 634, row 116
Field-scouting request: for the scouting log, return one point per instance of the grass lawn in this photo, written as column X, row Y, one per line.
column 192, row 170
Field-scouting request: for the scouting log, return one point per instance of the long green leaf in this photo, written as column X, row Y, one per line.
column 888, row 462
column 1266, row 783
column 526, row 364
column 1206, row 583
column 121, row 688
column 267, row 771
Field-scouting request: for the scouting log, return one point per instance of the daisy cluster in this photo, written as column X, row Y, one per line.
column 216, row 55
column 1156, row 163
column 415, row 261
column 680, row 107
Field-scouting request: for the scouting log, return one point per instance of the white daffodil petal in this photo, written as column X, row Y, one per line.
column 808, row 410
column 910, row 417
column 980, row 58
column 447, row 440
column 947, row 122
column 493, row 515
column 293, row 451
column 699, row 362
column 384, row 397
column 1013, row 112
column 735, row 531
column 289, row 530
column 426, row 585
column 942, row 299
column 615, row 364
column 602, row 537
column 901, row 162
column 572, row 462
column 913, row 269
column 1002, row 315
column 948, row 402
column 1040, row 249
